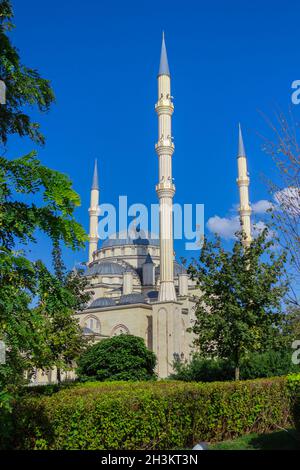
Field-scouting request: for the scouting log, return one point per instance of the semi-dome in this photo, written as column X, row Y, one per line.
column 104, row 267
column 103, row 302
column 135, row 298
column 178, row 269
column 135, row 237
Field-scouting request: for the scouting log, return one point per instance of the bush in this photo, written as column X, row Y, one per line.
column 152, row 415
column 255, row 365
column 268, row 364
column 294, row 386
column 203, row 370
column 123, row 357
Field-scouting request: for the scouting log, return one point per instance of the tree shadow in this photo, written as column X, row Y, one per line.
column 280, row 440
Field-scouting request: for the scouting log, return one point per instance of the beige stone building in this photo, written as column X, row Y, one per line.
column 138, row 286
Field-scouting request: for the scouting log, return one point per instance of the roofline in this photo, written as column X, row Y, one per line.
column 113, row 307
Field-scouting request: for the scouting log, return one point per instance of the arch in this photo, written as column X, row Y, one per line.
column 119, row 329
column 91, row 324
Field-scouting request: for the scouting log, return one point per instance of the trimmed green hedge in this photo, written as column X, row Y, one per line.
column 294, row 386
column 162, row 415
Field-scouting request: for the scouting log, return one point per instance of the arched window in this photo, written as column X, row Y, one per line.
column 119, row 330
column 91, row 325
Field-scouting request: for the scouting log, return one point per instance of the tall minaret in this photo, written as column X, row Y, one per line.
column 93, row 211
column 243, row 184
column 165, row 188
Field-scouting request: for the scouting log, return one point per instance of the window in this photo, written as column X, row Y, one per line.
column 119, row 330
column 92, row 325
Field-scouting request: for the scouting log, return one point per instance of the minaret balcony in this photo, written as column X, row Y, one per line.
column 164, row 106
column 245, row 210
column 93, row 211
column 165, row 147
column 165, row 189
column 243, row 181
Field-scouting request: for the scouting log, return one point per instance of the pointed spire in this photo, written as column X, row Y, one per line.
column 148, row 259
column 163, row 66
column 95, row 184
column 241, row 152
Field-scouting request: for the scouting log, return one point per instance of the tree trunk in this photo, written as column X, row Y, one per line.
column 237, row 373
column 58, row 376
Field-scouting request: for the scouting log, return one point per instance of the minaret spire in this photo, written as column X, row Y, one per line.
column 165, row 189
column 95, row 184
column 164, row 65
column 243, row 182
column 93, row 211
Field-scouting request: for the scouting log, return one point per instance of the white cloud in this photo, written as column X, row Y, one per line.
column 261, row 207
column 259, row 227
column 225, row 227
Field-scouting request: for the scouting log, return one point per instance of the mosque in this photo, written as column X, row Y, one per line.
column 138, row 287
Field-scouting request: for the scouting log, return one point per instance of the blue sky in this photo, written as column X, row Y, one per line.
column 229, row 61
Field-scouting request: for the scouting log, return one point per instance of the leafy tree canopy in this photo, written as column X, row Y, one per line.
column 35, row 305
column 240, row 308
column 123, row 357
column 24, row 86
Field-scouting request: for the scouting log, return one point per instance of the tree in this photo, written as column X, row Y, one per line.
column 285, row 152
column 22, row 327
column 123, row 357
column 33, row 199
column 24, row 86
column 240, row 304
column 60, row 295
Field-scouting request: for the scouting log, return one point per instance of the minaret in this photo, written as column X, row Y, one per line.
column 243, row 184
column 93, row 211
column 165, row 188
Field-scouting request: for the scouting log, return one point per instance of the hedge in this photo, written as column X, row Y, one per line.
column 150, row 415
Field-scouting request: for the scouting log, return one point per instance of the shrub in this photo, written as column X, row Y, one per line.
column 268, row 364
column 123, row 357
column 294, row 386
column 203, row 370
column 255, row 365
column 151, row 415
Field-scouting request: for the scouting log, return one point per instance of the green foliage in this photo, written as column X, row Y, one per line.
column 255, row 365
column 239, row 309
column 201, row 369
column 19, row 221
column 268, row 364
column 152, row 415
column 24, row 86
column 59, row 297
column 294, row 386
column 123, row 357
column 33, row 199
column 24, row 328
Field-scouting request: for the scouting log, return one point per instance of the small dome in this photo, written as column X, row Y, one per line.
column 139, row 238
column 102, row 302
column 152, row 295
column 132, row 299
column 178, row 269
column 105, row 267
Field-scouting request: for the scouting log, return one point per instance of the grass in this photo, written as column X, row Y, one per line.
column 278, row 440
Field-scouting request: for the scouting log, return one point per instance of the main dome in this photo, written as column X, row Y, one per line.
column 134, row 237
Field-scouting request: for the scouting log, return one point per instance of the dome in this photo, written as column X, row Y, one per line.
column 102, row 302
column 138, row 238
column 152, row 295
column 105, row 267
column 132, row 299
column 178, row 269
